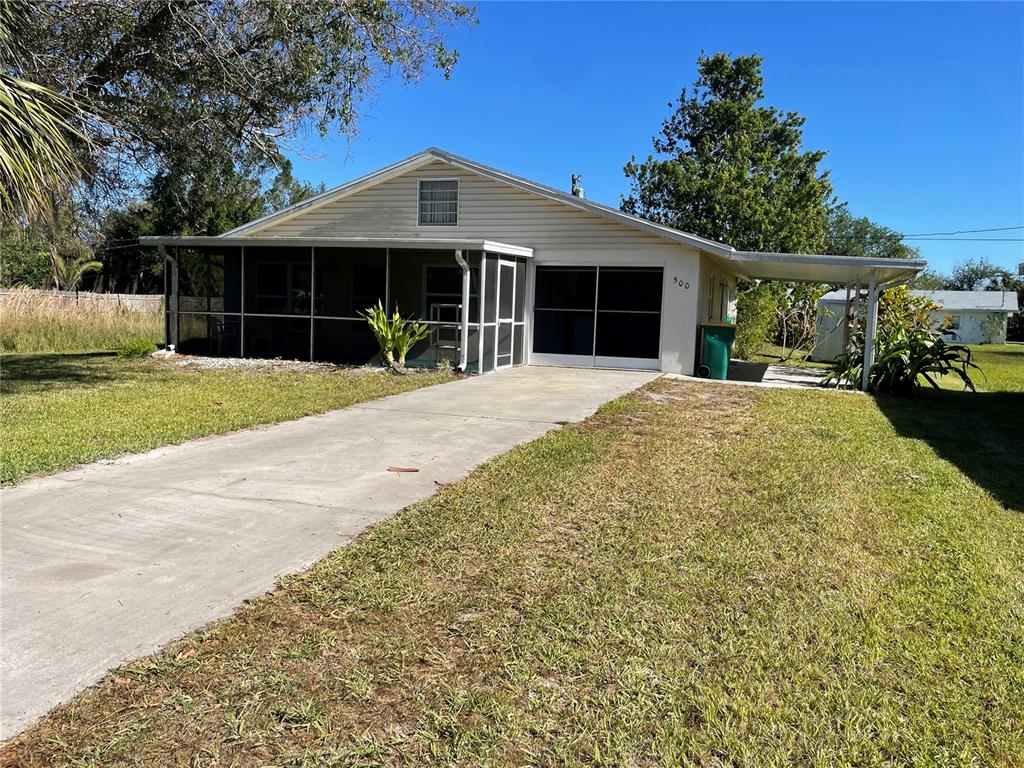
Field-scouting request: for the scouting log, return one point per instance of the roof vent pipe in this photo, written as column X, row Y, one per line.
column 577, row 188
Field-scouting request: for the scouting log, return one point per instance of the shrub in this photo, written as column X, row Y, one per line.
column 992, row 327
column 137, row 348
column 909, row 350
column 755, row 320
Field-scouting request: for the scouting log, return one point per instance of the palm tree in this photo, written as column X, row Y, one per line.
column 36, row 153
column 69, row 269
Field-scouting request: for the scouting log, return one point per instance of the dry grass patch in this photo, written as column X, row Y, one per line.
column 38, row 321
column 696, row 575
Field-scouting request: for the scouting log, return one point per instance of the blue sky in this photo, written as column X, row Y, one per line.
column 920, row 105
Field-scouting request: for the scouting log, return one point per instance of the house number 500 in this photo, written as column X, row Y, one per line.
column 680, row 283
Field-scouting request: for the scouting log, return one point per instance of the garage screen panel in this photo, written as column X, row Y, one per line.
column 598, row 316
column 563, row 311
column 628, row 315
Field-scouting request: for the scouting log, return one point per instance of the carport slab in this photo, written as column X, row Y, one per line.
column 110, row 561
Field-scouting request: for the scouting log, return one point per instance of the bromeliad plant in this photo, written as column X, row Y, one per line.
column 395, row 335
column 909, row 350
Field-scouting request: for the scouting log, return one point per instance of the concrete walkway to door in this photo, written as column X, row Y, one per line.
column 104, row 563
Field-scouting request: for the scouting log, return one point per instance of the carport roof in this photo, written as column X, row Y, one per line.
column 411, row 243
column 819, row 268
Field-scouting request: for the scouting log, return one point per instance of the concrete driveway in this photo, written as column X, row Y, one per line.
column 104, row 563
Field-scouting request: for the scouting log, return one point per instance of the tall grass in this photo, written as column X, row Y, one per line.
column 33, row 321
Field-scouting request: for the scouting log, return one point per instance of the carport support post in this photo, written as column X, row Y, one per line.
column 870, row 331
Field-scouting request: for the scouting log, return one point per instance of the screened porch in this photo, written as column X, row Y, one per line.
column 305, row 300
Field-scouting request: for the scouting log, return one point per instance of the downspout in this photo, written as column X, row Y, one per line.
column 464, row 313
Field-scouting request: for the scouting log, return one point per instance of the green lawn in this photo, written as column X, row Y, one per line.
column 1002, row 366
column 58, row 410
column 697, row 575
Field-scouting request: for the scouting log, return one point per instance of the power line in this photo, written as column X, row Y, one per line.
column 963, row 231
column 969, row 239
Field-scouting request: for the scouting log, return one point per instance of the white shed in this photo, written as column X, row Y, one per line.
column 966, row 312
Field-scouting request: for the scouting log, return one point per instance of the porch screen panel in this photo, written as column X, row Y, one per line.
column 349, row 281
column 491, row 289
column 490, row 333
column 193, row 281
column 277, row 282
column 214, row 334
column 563, row 312
column 347, row 342
column 520, row 291
column 226, row 281
column 270, row 337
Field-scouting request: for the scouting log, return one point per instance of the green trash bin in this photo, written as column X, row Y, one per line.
column 715, row 348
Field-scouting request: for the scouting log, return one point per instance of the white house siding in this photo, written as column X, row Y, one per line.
column 716, row 295
column 558, row 233
column 970, row 331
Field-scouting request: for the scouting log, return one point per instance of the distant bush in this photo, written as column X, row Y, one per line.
column 137, row 348
column 755, row 320
column 38, row 321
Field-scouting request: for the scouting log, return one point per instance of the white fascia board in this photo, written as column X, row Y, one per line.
column 508, row 250
column 409, row 243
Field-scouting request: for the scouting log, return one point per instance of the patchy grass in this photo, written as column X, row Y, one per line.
column 60, row 410
column 38, row 321
column 776, row 355
column 697, row 575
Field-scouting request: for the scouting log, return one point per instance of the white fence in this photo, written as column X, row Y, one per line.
column 133, row 301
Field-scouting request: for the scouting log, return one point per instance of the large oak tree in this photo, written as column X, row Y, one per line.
column 173, row 80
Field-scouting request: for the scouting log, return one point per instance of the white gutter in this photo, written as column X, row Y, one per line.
column 464, row 313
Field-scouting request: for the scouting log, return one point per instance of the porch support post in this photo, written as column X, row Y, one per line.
column 846, row 321
column 870, row 331
column 171, row 310
column 464, row 313
column 241, row 307
column 312, row 298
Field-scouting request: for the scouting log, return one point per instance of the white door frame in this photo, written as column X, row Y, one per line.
column 499, row 320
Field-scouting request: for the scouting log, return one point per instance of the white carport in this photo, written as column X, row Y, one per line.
column 852, row 272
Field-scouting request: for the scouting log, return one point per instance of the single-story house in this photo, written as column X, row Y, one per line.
column 504, row 270
column 964, row 313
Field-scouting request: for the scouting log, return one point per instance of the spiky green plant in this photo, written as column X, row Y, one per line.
column 396, row 335
column 910, row 350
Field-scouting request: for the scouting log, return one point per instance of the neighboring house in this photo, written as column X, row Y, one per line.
column 964, row 313
column 561, row 280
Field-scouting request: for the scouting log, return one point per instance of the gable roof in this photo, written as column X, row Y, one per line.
column 994, row 301
column 434, row 154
